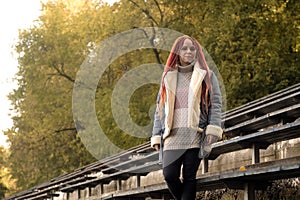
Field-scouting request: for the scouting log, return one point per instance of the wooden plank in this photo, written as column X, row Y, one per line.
column 262, row 109
column 56, row 183
column 37, row 195
column 119, row 175
column 252, row 125
column 261, row 172
column 262, row 138
column 93, row 167
column 263, row 100
column 139, row 192
column 258, row 108
column 137, row 160
column 249, row 192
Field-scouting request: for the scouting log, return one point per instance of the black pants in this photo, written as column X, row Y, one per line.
column 172, row 162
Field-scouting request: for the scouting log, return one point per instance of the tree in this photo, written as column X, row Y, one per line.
column 44, row 143
column 259, row 54
column 3, row 155
column 254, row 44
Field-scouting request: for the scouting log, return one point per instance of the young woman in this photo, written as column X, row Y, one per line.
column 188, row 105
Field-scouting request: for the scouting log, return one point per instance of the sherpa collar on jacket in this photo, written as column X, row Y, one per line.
column 194, row 98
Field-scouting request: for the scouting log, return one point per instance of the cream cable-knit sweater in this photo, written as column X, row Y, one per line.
column 182, row 137
column 197, row 120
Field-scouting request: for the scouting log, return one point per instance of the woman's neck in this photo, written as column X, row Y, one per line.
column 187, row 68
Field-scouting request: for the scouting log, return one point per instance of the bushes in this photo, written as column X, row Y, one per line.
column 286, row 189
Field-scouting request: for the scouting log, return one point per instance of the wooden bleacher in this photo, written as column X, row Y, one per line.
column 256, row 175
column 255, row 125
column 278, row 100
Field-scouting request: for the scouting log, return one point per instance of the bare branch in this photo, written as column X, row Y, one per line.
column 65, row 129
column 146, row 12
column 62, row 73
column 160, row 11
column 151, row 40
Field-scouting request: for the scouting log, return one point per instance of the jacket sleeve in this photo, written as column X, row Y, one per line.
column 157, row 125
column 215, row 110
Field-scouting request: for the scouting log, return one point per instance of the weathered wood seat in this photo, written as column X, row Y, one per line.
column 137, row 166
column 79, row 175
column 263, row 100
column 262, row 106
column 247, row 126
column 138, row 159
column 36, row 195
column 42, row 196
column 235, row 178
column 287, row 114
column 261, row 139
column 119, row 175
column 256, row 141
column 251, row 177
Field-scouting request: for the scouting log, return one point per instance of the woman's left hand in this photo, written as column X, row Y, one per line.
column 210, row 139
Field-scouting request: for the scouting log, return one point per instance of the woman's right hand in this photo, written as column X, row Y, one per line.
column 156, row 147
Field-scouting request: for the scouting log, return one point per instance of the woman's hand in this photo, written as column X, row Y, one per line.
column 210, row 139
column 156, row 147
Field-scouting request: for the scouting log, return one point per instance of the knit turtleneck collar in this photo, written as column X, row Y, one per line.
column 186, row 69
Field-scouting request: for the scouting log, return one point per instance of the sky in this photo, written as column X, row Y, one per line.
column 14, row 15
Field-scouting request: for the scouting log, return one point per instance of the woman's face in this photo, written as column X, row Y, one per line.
column 187, row 53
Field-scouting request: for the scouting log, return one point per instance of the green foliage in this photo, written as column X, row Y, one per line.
column 3, row 188
column 255, row 45
column 279, row 189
